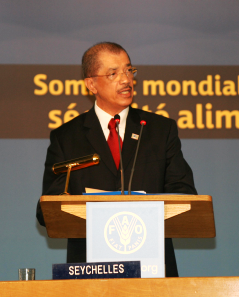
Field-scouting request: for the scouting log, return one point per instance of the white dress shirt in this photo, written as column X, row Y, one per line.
column 104, row 119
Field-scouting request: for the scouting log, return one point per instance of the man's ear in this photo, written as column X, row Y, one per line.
column 90, row 84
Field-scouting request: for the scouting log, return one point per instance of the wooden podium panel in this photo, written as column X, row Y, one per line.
column 163, row 287
column 188, row 216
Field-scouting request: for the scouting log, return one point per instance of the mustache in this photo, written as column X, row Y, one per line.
column 125, row 88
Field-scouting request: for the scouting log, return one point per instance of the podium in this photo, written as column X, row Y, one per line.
column 185, row 216
column 188, row 216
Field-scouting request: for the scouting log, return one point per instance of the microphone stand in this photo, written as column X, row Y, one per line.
column 142, row 123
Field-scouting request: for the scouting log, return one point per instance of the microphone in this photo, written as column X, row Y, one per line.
column 117, row 121
column 142, row 123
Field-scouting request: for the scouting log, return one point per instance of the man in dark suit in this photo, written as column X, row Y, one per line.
column 160, row 166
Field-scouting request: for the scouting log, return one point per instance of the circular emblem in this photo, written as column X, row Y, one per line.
column 125, row 232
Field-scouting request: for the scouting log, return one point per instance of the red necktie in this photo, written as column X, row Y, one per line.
column 113, row 142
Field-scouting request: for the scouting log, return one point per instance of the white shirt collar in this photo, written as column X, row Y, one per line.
column 104, row 119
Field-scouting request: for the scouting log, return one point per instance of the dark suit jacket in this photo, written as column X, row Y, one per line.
column 160, row 166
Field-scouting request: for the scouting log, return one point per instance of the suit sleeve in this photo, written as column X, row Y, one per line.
column 178, row 174
column 52, row 183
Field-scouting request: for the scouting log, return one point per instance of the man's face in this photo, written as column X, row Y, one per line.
column 112, row 96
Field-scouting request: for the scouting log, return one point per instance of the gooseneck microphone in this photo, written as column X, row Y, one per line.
column 117, row 121
column 142, row 123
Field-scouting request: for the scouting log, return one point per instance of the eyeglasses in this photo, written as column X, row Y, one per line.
column 116, row 76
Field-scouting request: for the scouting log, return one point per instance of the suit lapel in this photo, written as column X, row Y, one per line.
column 95, row 136
column 129, row 145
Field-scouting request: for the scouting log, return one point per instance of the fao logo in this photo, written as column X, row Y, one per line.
column 125, row 232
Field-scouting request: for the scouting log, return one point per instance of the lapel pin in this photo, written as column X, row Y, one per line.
column 135, row 136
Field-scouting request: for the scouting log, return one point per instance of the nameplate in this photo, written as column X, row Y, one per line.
column 125, row 269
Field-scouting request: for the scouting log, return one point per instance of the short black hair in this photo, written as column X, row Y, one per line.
column 90, row 63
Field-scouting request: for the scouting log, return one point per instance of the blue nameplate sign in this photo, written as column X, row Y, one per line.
column 125, row 269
